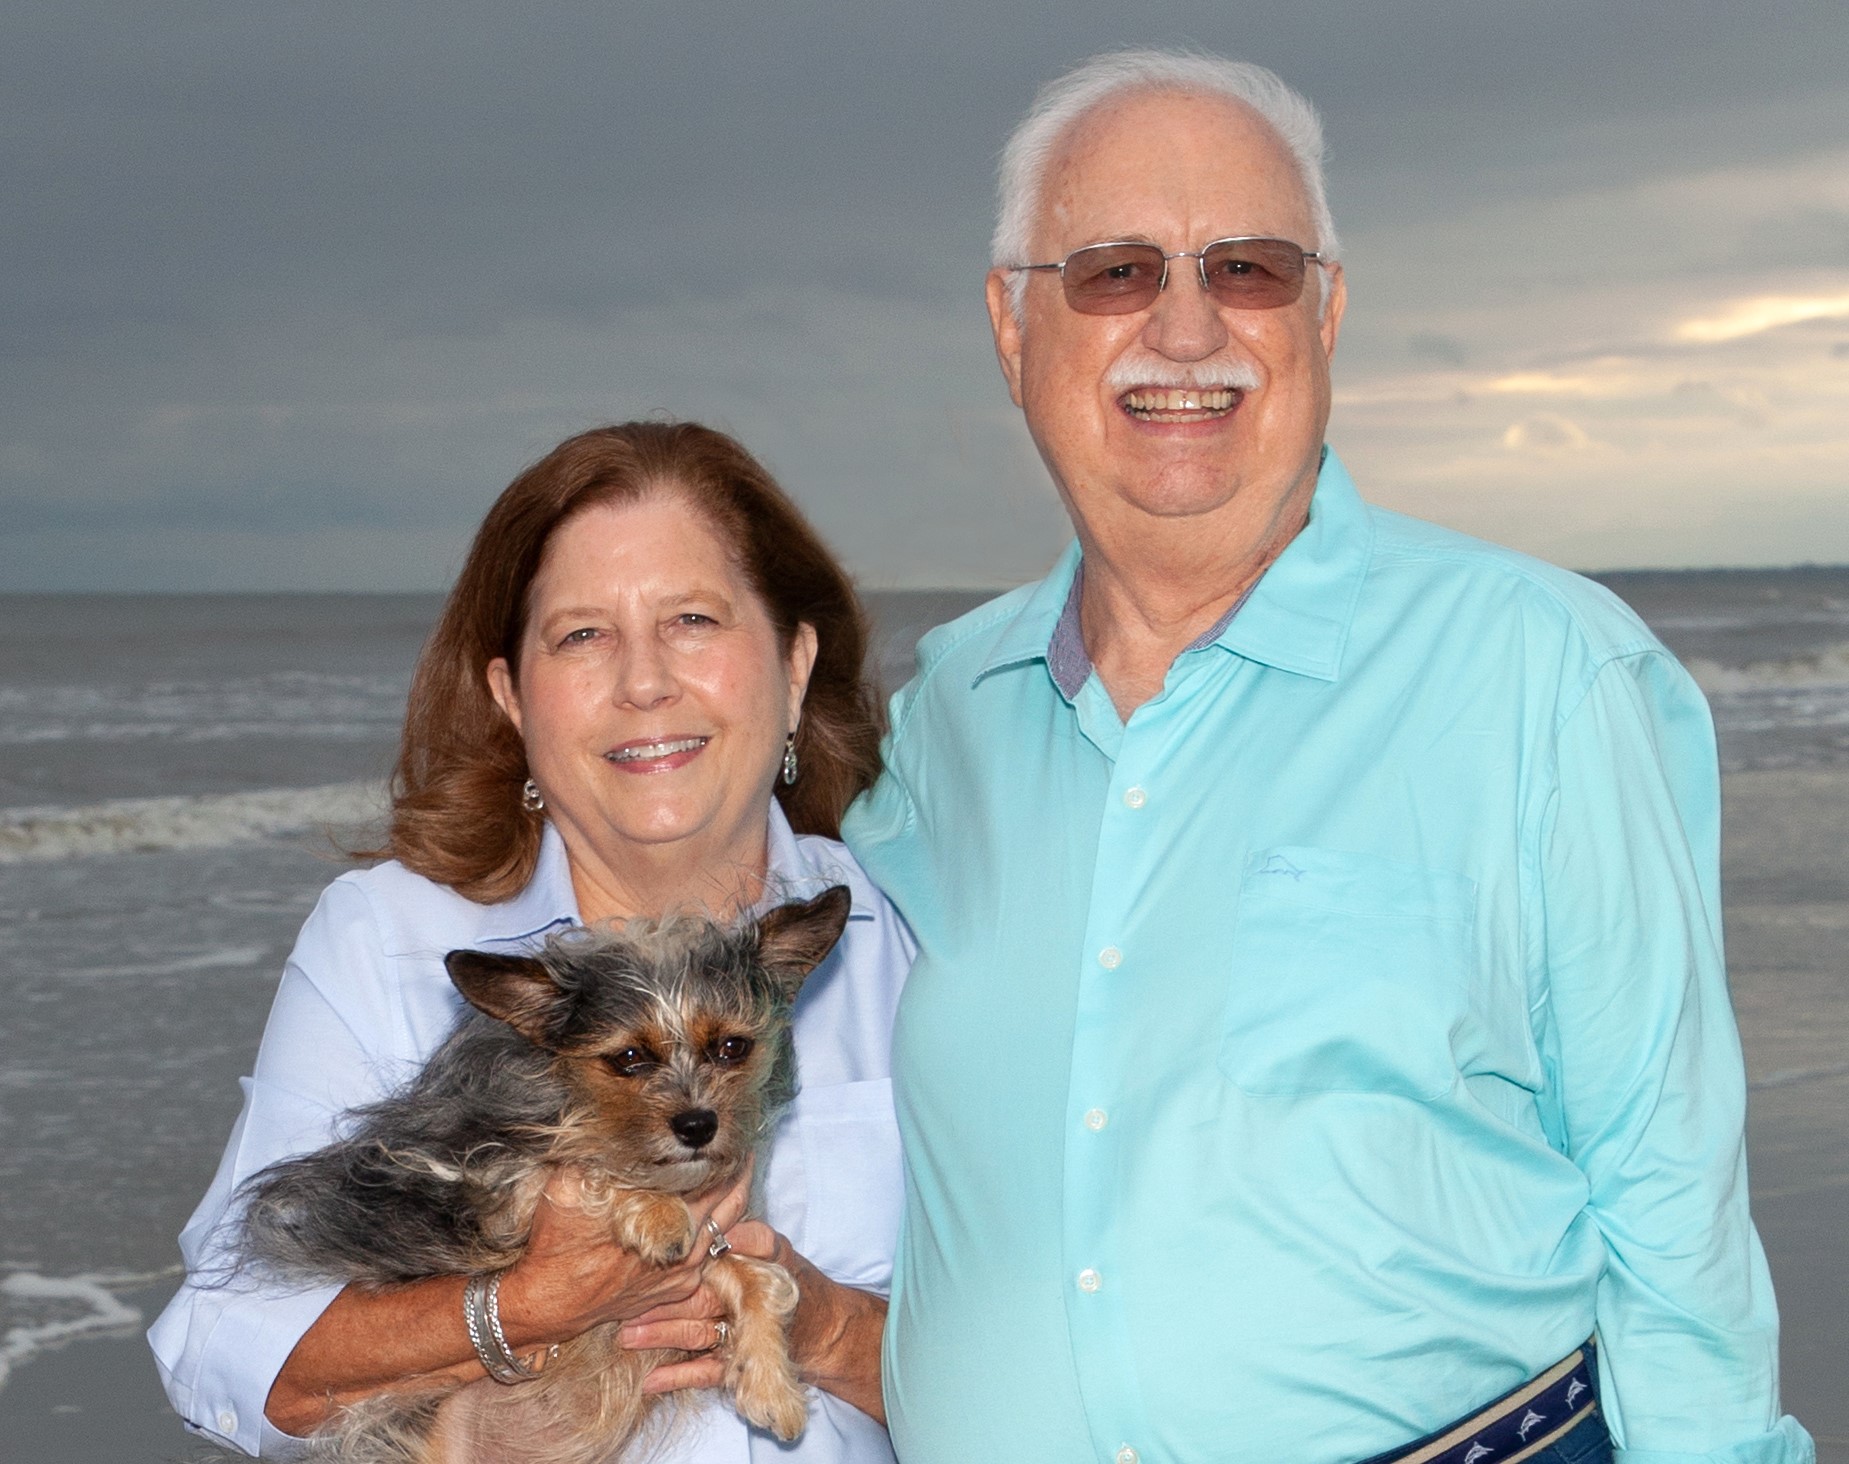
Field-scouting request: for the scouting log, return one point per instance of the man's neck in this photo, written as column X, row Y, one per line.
column 1145, row 601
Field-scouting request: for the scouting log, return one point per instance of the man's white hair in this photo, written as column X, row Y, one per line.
column 1064, row 102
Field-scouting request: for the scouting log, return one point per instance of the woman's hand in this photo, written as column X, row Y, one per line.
column 573, row 1276
column 834, row 1337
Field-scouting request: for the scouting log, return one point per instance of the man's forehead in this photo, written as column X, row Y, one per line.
column 1150, row 163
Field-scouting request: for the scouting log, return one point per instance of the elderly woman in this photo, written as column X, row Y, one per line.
column 645, row 692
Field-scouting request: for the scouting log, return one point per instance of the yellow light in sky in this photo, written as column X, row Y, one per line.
column 1750, row 317
column 1541, row 383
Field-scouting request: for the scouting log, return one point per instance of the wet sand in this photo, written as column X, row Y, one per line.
column 97, row 1401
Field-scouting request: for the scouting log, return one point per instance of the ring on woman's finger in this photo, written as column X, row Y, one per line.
column 722, row 1333
column 720, row 1244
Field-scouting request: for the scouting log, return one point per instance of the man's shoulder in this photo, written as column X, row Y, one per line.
column 951, row 656
column 972, row 633
column 1502, row 583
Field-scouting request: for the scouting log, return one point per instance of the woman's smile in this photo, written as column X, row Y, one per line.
column 658, row 755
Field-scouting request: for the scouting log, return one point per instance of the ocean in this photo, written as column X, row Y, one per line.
column 171, row 769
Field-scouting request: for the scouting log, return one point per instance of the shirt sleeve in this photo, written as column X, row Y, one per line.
column 1646, row 1085
column 225, row 1335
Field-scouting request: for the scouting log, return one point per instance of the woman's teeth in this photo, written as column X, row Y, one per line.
column 649, row 751
column 1151, row 401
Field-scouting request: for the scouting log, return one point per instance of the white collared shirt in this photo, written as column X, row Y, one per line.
column 365, row 999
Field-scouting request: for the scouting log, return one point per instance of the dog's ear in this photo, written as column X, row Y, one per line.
column 516, row 989
column 794, row 939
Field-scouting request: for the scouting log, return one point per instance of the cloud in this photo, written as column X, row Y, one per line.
column 1768, row 312
column 1547, row 432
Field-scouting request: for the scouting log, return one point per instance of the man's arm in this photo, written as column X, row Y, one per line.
column 1647, row 1089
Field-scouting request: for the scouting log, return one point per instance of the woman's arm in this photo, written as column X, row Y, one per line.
column 570, row 1279
column 834, row 1337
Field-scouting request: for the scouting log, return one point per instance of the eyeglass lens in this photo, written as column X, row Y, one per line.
column 1247, row 274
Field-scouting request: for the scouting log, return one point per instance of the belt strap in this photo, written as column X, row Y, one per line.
column 1518, row 1424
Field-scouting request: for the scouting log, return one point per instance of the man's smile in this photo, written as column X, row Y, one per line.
column 1179, row 404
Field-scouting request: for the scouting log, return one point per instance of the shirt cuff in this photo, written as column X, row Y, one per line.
column 1787, row 1443
column 246, row 1351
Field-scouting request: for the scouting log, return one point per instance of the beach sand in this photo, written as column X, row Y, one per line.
column 97, row 1401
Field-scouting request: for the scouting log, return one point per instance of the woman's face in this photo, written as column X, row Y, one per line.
column 652, row 695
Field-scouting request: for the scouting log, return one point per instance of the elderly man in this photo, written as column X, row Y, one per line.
column 1320, row 1032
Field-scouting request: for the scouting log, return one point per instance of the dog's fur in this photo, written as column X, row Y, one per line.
column 580, row 1058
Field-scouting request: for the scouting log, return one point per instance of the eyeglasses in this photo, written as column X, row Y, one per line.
column 1246, row 273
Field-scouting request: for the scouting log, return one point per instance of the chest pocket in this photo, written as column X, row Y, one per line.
column 1350, row 974
column 836, row 1185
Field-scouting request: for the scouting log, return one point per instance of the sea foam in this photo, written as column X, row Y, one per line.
column 204, row 821
column 1820, row 670
column 78, row 1306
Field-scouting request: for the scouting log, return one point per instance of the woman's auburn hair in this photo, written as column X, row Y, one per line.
column 457, row 815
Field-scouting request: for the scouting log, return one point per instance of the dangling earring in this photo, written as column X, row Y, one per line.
column 789, row 760
column 530, row 798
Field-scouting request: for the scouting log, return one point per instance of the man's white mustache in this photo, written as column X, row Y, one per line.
column 1154, row 371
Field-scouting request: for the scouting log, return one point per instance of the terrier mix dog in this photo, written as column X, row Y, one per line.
column 652, row 1060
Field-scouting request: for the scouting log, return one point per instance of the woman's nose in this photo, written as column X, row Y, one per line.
column 646, row 675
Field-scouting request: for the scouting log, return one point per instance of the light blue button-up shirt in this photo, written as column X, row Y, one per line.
column 1331, row 1047
column 365, row 999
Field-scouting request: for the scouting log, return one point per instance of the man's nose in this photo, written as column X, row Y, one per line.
column 1184, row 324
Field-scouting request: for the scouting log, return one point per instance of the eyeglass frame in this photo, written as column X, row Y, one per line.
column 1199, row 256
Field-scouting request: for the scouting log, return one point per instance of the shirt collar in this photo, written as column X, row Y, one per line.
column 547, row 900
column 796, row 870
column 1296, row 618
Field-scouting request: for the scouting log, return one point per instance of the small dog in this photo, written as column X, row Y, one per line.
column 652, row 1060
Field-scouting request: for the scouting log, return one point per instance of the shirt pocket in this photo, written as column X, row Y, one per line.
column 1350, row 973
column 853, row 1179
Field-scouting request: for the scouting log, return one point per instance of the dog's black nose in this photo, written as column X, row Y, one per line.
column 695, row 1128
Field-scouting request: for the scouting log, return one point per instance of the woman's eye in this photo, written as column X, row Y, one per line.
column 732, row 1050
column 694, row 618
column 580, row 636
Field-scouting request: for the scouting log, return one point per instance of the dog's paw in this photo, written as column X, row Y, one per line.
column 658, row 1228
column 772, row 1398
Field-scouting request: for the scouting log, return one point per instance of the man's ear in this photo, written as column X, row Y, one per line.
column 794, row 939
column 1334, row 303
column 517, row 990
column 1007, row 330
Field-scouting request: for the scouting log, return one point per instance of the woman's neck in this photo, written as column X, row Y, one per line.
column 716, row 878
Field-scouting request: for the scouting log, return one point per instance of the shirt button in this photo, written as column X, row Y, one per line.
column 227, row 1421
column 1096, row 1119
column 1126, row 1455
column 1135, row 798
column 1090, row 1280
column 1110, row 958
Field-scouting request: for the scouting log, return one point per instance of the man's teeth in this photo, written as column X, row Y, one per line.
column 649, row 751
column 1149, row 399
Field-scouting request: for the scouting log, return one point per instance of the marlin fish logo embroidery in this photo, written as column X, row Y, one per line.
column 1278, row 864
column 1477, row 1451
column 1574, row 1390
column 1530, row 1421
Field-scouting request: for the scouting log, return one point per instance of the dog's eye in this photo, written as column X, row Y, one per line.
column 632, row 1062
column 732, row 1049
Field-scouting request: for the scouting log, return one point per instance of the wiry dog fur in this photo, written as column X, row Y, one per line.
column 584, row 1056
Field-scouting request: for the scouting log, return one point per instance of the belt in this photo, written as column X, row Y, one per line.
column 1518, row 1424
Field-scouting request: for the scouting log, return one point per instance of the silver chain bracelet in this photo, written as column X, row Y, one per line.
column 481, row 1314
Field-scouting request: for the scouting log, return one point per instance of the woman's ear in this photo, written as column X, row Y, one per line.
column 501, row 687
column 803, row 645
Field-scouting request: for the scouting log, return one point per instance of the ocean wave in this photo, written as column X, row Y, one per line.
column 1822, row 669
column 59, row 1309
column 204, row 821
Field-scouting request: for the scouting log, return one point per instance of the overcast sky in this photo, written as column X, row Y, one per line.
column 291, row 290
